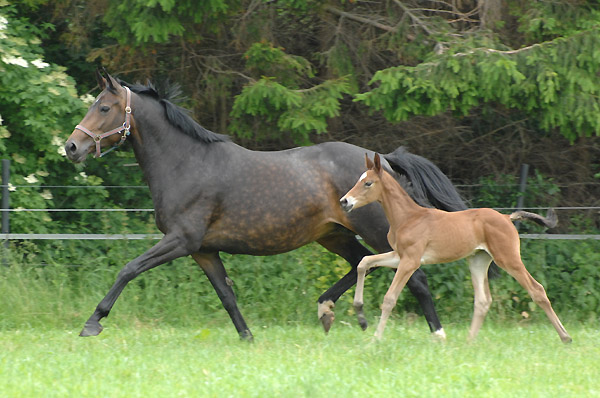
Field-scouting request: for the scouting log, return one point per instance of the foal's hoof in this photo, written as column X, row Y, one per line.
column 327, row 320
column 567, row 339
column 91, row 329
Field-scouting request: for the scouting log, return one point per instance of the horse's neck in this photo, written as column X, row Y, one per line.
column 397, row 204
column 159, row 148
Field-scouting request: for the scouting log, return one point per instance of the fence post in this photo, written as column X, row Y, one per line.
column 522, row 187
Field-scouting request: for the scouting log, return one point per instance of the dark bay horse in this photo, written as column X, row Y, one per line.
column 211, row 195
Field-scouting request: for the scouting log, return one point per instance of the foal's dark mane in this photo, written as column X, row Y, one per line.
column 177, row 116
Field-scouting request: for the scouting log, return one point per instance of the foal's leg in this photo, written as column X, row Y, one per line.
column 537, row 293
column 406, row 268
column 479, row 264
column 215, row 271
column 346, row 246
column 169, row 248
column 389, row 259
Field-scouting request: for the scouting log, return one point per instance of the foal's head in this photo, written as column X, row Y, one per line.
column 368, row 187
column 105, row 125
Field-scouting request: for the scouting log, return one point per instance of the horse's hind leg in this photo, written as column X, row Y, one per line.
column 346, row 246
column 537, row 292
column 479, row 264
column 417, row 284
column 213, row 267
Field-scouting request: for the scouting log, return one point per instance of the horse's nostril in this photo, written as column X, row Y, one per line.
column 72, row 148
column 343, row 202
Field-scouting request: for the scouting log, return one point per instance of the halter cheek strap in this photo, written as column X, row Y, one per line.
column 123, row 128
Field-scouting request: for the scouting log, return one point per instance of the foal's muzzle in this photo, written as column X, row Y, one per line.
column 346, row 205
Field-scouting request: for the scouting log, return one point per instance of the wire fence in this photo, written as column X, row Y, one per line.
column 5, row 235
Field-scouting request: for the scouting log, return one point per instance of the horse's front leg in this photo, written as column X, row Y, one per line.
column 213, row 267
column 169, row 248
column 389, row 259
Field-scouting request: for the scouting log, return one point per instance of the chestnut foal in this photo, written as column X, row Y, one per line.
column 420, row 235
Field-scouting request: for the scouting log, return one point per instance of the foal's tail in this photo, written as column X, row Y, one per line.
column 427, row 180
column 549, row 221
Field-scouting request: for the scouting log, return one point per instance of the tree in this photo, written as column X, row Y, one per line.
column 454, row 80
column 553, row 82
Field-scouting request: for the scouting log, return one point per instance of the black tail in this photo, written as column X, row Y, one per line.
column 550, row 221
column 427, row 180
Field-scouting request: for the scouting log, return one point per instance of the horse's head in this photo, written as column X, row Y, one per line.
column 106, row 124
column 368, row 187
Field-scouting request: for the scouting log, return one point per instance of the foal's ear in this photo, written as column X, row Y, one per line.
column 377, row 167
column 368, row 162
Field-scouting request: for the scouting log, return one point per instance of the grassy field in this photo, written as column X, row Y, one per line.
column 169, row 336
column 143, row 360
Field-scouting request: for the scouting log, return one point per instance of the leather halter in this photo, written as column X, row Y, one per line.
column 123, row 128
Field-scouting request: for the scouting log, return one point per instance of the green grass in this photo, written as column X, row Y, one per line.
column 145, row 360
column 168, row 334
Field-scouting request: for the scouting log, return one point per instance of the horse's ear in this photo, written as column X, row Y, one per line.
column 377, row 167
column 101, row 80
column 368, row 162
column 113, row 85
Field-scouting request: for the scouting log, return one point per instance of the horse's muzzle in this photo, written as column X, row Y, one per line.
column 75, row 152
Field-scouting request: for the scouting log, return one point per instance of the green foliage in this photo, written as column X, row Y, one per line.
column 38, row 102
column 159, row 20
column 265, row 59
column 554, row 82
column 39, row 107
column 278, row 102
column 277, row 99
column 500, row 191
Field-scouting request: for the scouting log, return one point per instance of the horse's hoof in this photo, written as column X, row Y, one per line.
column 91, row 329
column 362, row 321
column 325, row 314
column 567, row 340
column 246, row 335
column 439, row 335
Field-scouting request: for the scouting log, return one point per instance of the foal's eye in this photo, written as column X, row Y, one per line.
column 104, row 109
column 368, row 183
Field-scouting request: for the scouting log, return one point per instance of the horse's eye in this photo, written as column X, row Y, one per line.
column 104, row 109
column 368, row 183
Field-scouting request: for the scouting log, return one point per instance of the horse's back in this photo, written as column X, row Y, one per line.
column 272, row 202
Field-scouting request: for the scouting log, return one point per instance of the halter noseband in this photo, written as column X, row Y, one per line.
column 124, row 128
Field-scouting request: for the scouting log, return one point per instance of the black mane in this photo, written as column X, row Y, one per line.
column 176, row 115
column 427, row 181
